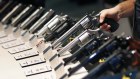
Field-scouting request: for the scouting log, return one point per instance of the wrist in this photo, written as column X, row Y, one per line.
column 118, row 12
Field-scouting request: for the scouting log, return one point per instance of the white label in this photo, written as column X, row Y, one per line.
column 2, row 34
column 31, row 61
column 37, row 70
column 7, row 39
column 13, row 44
column 43, row 76
column 19, row 49
column 25, row 54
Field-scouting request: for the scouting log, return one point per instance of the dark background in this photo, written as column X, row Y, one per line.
column 73, row 8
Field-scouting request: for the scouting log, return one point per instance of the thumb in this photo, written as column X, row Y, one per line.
column 102, row 17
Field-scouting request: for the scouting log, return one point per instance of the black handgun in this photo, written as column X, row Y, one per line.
column 106, row 49
column 118, row 60
column 88, row 47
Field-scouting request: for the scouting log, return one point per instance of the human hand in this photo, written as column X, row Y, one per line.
column 112, row 13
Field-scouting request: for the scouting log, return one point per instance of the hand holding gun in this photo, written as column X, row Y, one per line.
column 87, row 22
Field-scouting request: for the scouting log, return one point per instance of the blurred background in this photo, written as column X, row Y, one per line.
column 78, row 8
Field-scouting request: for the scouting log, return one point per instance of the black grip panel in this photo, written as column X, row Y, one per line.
column 114, row 25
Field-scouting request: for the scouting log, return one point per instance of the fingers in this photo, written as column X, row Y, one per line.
column 105, row 27
column 103, row 14
column 109, row 13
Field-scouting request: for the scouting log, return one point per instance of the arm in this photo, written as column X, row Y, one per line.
column 123, row 9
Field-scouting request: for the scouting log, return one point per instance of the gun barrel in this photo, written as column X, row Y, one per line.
column 43, row 19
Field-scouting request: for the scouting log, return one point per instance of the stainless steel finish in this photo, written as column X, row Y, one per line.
column 45, row 17
column 16, row 20
column 9, row 15
column 81, row 23
column 31, row 17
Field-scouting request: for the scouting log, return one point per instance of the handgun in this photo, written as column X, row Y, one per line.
column 52, row 25
column 30, row 20
column 118, row 60
column 87, row 22
column 39, row 23
column 109, row 46
column 7, row 8
column 60, row 31
column 88, row 47
column 47, row 16
column 22, row 16
column 84, row 37
column 11, row 14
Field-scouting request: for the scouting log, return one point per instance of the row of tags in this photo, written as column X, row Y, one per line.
column 21, row 31
column 29, row 59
